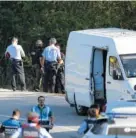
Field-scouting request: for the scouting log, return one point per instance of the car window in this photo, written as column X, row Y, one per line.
column 131, row 131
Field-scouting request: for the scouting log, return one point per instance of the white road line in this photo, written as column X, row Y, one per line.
column 8, row 116
column 58, row 126
column 66, row 128
column 29, row 94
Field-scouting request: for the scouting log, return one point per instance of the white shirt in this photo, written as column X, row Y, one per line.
column 51, row 53
column 15, row 51
column 42, row 132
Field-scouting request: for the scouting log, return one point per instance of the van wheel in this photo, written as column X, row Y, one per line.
column 80, row 110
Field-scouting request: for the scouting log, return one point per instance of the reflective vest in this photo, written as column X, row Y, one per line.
column 9, row 130
column 30, row 131
column 90, row 123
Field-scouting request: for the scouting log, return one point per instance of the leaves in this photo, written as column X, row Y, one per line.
column 31, row 20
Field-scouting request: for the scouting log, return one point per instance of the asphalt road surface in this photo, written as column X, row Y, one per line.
column 66, row 120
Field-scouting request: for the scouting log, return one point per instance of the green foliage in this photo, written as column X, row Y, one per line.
column 31, row 20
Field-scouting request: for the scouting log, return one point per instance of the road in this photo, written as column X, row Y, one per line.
column 66, row 120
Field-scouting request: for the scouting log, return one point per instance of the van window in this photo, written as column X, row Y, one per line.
column 113, row 65
column 129, row 64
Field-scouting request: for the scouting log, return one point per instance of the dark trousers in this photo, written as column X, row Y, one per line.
column 50, row 70
column 42, row 123
column 60, row 81
column 37, row 74
column 17, row 69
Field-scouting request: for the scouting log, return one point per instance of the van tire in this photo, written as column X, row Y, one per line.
column 80, row 110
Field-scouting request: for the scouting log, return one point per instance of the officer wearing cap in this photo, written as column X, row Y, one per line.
column 49, row 62
column 36, row 54
column 15, row 53
column 32, row 128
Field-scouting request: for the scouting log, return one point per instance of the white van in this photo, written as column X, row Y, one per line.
column 100, row 64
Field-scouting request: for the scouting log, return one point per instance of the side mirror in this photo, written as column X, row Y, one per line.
column 117, row 75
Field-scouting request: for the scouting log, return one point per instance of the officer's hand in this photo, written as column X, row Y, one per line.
column 42, row 69
column 61, row 61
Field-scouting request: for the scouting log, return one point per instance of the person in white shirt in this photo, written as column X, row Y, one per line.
column 15, row 53
column 49, row 63
column 32, row 128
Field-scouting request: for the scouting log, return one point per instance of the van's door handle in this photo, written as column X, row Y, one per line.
column 87, row 78
column 109, row 82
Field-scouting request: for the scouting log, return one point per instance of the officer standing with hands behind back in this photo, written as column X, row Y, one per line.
column 51, row 57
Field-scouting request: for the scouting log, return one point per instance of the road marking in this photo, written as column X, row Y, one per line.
column 66, row 128
column 29, row 94
column 8, row 116
column 58, row 126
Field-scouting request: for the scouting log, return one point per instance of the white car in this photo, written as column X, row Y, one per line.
column 122, row 124
column 117, row 128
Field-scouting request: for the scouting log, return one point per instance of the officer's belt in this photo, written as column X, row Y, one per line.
column 15, row 60
column 49, row 62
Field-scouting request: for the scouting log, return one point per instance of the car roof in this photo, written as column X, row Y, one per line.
column 121, row 122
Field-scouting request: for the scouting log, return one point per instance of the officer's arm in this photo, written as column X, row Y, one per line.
column 22, row 51
column 59, row 56
column 2, row 129
column 82, row 128
column 42, row 61
column 51, row 117
column 42, row 58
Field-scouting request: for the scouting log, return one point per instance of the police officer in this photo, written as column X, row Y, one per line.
column 15, row 53
column 93, row 115
column 44, row 112
column 36, row 54
column 31, row 129
column 9, row 126
column 60, row 80
column 49, row 63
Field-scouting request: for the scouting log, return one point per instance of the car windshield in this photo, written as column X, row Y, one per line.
column 129, row 64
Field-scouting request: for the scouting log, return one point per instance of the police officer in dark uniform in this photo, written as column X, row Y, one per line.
column 36, row 54
column 49, row 62
column 60, row 79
